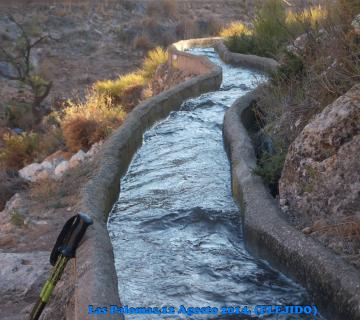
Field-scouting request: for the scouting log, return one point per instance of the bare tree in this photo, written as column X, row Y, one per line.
column 17, row 56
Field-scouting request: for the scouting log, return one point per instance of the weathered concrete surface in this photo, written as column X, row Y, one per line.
column 334, row 284
column 245, row 60
column 96, row 281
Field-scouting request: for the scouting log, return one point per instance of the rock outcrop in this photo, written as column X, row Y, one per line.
column 21, row 278
column 55, row 165
column 321, row 174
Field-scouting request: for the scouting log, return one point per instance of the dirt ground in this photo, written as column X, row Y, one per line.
column 93, row 40
column 88, row 41
column 26, row 243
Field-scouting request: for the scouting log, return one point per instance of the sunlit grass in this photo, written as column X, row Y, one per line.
column 118, row 87
column 272, row 27
column 311, row 17
column 236, row 28
column 153, row 59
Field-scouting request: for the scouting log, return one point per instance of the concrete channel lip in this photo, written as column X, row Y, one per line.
column 335, row 285
column 96, row 281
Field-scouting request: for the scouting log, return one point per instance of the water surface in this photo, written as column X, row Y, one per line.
column 175, row 230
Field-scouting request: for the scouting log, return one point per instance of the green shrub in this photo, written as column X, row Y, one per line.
column 269, row 166
column 20, row 114
column 17, row 219
column 244, row 44
column 270, row 27
column 273, row 27
column 266, row 37
column 292, row 66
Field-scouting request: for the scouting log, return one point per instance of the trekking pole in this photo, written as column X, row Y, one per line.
column 64, row 249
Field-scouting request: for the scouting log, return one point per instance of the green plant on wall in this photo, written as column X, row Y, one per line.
column 17, row 219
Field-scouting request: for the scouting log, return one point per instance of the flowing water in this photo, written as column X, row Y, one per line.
column 175, row 230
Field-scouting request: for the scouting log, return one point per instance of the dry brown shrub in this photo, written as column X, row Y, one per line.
column 214, row 25
column 150, row 23
column 187, row 29
column 170, row 8
column 142, row 42
column 152, row 8
column 167, row 8
column 18, row 150
column 80, row 132
column 346, row 228
column 166, row 39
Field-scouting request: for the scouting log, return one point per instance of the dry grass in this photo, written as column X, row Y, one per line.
column 118, row 88
column 44, row 190
column 347, row 228
column 18, row 150
column 326, row 67
column 170, row 8
column 299, row 22
column 235, row 29
column 107, row 104
column 91, row 121
column 152, row 61
column 61, row 193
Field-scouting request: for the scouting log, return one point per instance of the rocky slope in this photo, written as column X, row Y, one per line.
column 92, row 40
column 320, row 183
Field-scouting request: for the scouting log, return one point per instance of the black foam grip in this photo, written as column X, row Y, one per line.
column 70, row 237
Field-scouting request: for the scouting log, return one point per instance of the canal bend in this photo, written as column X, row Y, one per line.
column 175, row 229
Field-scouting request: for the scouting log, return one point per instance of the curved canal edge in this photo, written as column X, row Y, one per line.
column 95, row 277
column 334, row 284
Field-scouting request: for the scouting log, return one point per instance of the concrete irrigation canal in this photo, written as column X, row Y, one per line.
column 175, row 229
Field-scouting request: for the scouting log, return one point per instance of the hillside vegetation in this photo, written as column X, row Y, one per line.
column 71, row 71
column 308, row 117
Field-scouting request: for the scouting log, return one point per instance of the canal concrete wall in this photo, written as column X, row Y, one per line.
column 96, row 282
column 334, row 284
column 245, row 60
